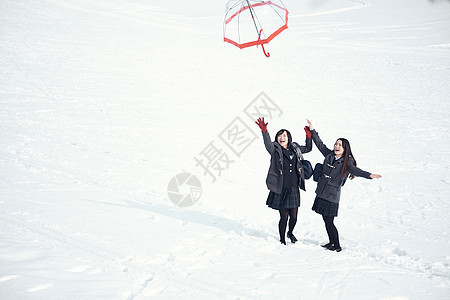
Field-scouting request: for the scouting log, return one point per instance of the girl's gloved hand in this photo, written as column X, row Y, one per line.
column 262, row 125
column 308, row 132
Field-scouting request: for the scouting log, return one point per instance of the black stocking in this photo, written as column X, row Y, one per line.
column 292, row 218
column 286, row 213
column 333, row 234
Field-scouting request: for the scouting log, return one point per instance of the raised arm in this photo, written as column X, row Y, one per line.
column 308, row 142
column 319, row 144
column 266, row 136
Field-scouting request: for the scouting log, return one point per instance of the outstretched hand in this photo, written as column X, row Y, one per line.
column 262, row 125
column 311, row 127
column 375, row 176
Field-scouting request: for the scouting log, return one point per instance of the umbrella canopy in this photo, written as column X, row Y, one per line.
column 251, row 23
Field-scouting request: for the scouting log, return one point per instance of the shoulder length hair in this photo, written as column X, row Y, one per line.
column 347, row 154
column 280, row 132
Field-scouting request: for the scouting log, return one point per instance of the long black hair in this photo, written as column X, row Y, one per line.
column 347, row 154
column 280, row 132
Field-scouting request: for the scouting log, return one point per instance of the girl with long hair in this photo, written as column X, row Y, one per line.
column 338, row 165
column 285, row 177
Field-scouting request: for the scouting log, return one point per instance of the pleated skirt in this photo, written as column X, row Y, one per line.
column 325, row 208
column 289, row 198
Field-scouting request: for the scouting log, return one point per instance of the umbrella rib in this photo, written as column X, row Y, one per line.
column 250, row 8
column 277, row 12
column 260, row 26
column 281, row 17
column 230, row 8
column 239, row 21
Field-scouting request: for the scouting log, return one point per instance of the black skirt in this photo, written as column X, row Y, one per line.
column 325, row 208
column 289, row 198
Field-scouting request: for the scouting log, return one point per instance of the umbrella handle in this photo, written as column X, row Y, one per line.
column 267, row 54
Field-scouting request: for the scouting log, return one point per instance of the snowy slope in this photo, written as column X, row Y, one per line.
column 102, row 103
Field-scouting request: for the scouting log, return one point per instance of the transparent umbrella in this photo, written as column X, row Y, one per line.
column 252, row 23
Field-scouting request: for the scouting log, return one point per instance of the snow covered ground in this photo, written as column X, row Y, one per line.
column 103, row 102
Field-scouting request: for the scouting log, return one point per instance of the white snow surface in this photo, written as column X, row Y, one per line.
column 103, row 102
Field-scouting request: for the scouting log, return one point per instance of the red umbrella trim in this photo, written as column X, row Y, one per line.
column 259, row 41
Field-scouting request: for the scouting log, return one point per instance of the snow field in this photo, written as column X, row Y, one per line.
column 103, row 102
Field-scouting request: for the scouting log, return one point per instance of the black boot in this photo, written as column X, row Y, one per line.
column 328, row 246
column 292, row 237
column 335, row 248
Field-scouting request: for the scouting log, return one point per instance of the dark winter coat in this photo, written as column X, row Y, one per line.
column 274, row 179
column 331, row 181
